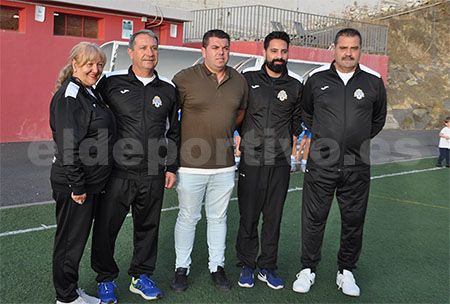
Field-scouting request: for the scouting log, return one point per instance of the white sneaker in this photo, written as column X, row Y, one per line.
column 293, row 164
column 78, row 300
column 87, row 298
column 305, row 279
column 346, row 282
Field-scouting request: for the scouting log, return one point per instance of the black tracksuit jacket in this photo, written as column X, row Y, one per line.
column 343, row 118
column 83, row 129
column 272, row 117
column 147, row 124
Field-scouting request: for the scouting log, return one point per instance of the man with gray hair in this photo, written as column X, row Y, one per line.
column 145, row 162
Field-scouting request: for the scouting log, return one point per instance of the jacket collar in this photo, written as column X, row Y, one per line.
column 333, row 68
column 78, row 83
column 283, row 76
column 209, row 73
column 132, row 76
column 84, row 89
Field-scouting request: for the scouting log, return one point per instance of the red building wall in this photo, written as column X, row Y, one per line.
column 166, row 39
column 31, row 59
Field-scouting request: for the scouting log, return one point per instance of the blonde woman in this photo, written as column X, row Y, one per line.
column 83, row 129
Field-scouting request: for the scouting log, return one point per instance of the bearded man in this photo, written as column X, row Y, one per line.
column 272, row 118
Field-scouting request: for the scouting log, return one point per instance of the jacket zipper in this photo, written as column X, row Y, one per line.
column 267, row 124
column 345, row 122
column 343, row 144
column 145, row 140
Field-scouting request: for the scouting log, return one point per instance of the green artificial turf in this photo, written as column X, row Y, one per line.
column 405, row 257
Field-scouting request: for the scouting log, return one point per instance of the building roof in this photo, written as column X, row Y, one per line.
column 139, row 7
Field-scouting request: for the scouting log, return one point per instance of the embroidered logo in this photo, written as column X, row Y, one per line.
column 324, row 88
column 282, row 96
column 255, row 86
column 359, row 94
column 157, row 102
column 124, row 91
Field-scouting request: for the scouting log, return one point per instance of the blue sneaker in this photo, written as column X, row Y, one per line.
column 105, row 291
column 145, row 287
column 271, row 278
column 246, row 278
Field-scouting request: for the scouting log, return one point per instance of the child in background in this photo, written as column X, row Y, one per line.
column 294, row 152
column 303, row 149
column 237, row 143
column 444, row 144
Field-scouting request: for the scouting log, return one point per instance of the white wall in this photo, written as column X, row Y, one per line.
column 321, row 7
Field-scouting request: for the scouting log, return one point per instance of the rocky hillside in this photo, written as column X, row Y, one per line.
column 419, row 69
column 419, row 62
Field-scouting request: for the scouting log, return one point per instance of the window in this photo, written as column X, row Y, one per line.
column 9, row 18
column 127, row 29
column 74, row 25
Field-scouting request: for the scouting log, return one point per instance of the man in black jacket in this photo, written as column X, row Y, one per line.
column 272, row 118
column 145, row 161
column 344, row 107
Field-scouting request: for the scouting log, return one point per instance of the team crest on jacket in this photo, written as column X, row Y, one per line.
column 282, row 96
column 359, row 94
column 157, row 102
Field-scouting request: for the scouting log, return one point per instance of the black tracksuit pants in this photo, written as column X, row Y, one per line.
column 261, row 189
column 145, row 196
column 444, row 154
column 74, row 223
column 352, row 194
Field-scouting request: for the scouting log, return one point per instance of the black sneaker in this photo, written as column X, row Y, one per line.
column 179, row 282
column 220, row 279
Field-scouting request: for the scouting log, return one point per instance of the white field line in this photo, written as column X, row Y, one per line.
column 296, row 172
column 375, row 163
column 47, row 227
column 405, row 172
